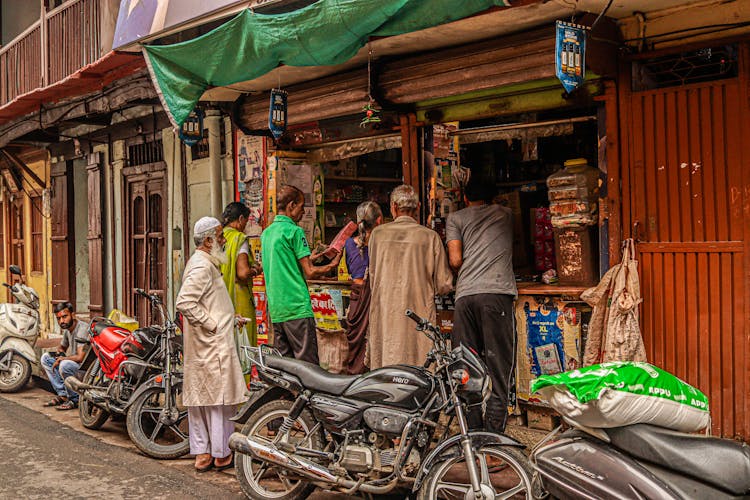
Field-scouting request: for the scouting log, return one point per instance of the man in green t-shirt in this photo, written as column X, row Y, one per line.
column 287, row 263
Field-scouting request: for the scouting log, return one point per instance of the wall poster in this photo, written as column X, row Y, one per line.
column 249, row 164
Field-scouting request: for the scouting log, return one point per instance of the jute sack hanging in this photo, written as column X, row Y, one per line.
column 614, row 331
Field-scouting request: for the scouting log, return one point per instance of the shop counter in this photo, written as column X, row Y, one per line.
column 534, row 288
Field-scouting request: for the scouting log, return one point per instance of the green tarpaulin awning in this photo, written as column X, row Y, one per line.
column 326, row 33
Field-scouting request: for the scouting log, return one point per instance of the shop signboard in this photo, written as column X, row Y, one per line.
column 570, row 54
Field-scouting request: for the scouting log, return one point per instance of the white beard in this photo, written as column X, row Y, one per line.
column 218, row 256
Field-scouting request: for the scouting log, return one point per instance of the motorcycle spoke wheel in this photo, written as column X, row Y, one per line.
column 504, row 473
column 262, row 480
column 92, row 416
column 150, row 432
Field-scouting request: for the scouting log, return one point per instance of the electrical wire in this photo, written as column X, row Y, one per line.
column 601, row 14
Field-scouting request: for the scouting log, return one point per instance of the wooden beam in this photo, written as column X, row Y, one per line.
column 20, row 164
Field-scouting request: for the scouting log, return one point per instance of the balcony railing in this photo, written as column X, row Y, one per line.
column 63, row 41
column 21, row 64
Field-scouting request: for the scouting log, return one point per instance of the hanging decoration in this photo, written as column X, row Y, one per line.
column 372, row 114
column 277, row 113
column 191, row 131
column 570, row 54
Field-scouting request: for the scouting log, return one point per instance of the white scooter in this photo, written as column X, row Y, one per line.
column 19, row 329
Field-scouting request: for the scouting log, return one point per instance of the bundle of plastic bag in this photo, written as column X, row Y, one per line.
column 624, row 393
column 123, row 320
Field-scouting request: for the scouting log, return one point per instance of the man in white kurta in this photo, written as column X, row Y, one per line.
column 213, row 385
column 408, row 266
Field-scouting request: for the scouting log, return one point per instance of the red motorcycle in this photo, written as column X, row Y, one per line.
column 137, row 374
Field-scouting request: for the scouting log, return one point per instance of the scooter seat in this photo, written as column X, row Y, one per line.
column 312, row 376
column 722, row 463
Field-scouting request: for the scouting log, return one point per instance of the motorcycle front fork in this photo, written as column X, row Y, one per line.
column 471, row 463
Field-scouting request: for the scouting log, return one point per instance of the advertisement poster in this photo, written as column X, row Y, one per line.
column 249, row 168
column 570, row 54
column 550, row 339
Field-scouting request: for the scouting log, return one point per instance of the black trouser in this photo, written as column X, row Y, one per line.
column 296, row 338
column 485, row 323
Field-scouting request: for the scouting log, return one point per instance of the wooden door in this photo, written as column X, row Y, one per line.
column 145, row 256
column 63, row 284
column 16, row 250
column 686, row 204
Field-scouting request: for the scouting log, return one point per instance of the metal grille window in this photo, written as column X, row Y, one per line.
column 704, row 65
column 145, row 153
column 200, row 149
column 37, row 224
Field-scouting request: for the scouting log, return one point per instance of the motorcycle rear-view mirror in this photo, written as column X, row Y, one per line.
column 14, row 269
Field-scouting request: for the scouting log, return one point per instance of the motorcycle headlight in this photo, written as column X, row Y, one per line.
column 469, row 375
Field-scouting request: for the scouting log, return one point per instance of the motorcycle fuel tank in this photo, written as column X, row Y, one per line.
column 578, row 466
column 111, row 338
column 400, row 385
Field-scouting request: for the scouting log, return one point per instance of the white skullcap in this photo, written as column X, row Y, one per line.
column 204, row 224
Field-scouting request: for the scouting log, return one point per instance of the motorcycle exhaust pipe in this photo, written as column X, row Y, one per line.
column 240, row 443
column 244, row 444
column 86, row 391
column 76, row 385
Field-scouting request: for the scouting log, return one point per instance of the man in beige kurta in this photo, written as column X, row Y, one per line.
column 213, row 385
column 408, row 266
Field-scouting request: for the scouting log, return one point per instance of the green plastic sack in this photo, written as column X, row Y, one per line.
column 624, row 393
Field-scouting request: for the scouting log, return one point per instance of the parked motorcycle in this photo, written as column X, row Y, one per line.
column 19, row 329
column 374, row 433
column 640, row 461
column 136, row 373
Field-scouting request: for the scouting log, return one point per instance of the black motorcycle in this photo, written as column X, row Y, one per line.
column 136, row 374
column 387, row 431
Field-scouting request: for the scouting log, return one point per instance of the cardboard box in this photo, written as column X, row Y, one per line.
column 542, row 418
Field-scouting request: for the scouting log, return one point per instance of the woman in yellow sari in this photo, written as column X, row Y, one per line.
column 239, row 271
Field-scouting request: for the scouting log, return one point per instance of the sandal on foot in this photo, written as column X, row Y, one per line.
column 228, row 465
column 56, row 401
column 205, row 468
column 67, row 405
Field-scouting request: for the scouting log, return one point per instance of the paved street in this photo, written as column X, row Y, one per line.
column 49, row 453
column 46, row 459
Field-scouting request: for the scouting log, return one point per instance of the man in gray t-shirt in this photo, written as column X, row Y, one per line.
column 66, row 361
column 480, row 249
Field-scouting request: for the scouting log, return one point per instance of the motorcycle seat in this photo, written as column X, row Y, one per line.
column 722, row 463
column 99, row 324
column 312, row 376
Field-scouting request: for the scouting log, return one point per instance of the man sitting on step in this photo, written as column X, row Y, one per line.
column 66, row 360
